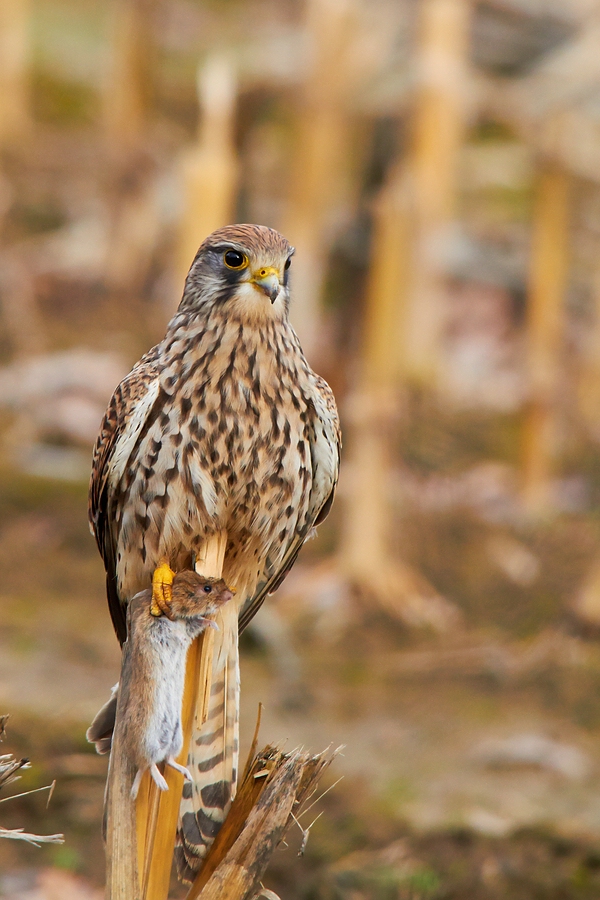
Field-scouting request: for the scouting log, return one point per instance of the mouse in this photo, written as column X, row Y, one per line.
column 150, row 691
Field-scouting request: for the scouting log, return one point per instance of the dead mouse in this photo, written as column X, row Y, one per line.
column 153, row 673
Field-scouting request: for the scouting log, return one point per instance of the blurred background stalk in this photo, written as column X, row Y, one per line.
column 375, row 405
column 127, row 88
column 438, row 128
column 15, row 71
column 208, row 170
column 319, row 161
column 545, row 326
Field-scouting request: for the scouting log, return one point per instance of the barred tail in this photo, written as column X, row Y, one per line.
column 213, row 754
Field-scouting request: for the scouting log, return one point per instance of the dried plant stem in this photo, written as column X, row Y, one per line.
column 8, row 767
column 157, row 812
column 126, row 88
column 437, row 133
column 273, row 788
column 47, row 787
column 374, row 411
column 373, row 416
column 122, row 882
column 17, row 834
column 146, row 848
column 319, row 166
column 15, row 68
column 547, row 282
column 208, row 169
column 269, row 798
column 589, row 374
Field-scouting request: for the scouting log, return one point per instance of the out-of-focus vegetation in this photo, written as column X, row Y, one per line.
column 436, row 165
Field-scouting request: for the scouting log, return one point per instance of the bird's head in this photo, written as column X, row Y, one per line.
column 244, row 268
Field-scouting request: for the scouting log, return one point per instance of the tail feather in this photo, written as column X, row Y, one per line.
column 213, row 754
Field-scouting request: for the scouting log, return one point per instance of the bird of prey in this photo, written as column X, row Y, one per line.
column 222, row 426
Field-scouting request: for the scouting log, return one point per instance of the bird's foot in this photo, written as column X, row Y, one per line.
column 162, row 581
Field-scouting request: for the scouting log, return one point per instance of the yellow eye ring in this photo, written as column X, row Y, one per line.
column 233, row 259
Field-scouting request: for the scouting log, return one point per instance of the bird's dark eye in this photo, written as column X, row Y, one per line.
column 288, row 263
column 207, row 589
column 233, row 259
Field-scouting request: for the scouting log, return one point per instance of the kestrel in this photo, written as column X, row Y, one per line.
column 223, row 426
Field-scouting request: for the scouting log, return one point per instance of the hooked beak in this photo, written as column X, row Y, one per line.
column 267, row 280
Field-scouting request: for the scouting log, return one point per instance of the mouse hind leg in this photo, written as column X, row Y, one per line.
column 136, row 783
column 158, row 779
column 175, row 765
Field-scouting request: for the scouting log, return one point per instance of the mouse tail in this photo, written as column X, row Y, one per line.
column 101, row 730
column 213, row 754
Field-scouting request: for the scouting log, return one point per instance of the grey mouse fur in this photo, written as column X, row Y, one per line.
column 153, row 672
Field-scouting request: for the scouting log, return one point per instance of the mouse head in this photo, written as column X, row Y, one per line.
column 194, row 595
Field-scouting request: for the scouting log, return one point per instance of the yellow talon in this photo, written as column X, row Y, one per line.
column 162, row 580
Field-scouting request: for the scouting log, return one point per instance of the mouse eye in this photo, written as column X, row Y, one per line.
column 233, row 259
column 207, row 589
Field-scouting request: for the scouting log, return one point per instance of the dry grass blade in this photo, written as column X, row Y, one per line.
column 18, row 834
column 47, row 787
column 8, row 766
column 254, row 744
column 274, row 787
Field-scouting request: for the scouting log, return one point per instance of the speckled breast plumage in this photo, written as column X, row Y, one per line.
column 227, row 446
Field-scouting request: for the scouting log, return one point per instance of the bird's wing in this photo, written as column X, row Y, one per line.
column 124, row 420
column 325, row 446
